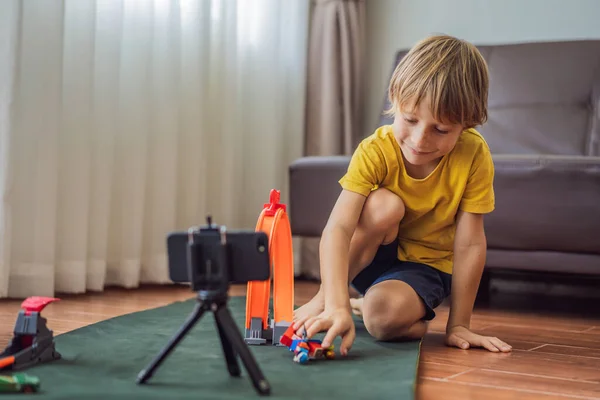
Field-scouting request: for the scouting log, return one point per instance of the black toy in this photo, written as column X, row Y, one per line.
column 33, row 342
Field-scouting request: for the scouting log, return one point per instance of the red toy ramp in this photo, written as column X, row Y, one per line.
column 273, row 220
column 36, row 303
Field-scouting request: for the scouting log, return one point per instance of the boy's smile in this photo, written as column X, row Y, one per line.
column 418, row 152
column 423, row 139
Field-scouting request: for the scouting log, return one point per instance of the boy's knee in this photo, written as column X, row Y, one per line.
column 387, row 320
column 383, row 211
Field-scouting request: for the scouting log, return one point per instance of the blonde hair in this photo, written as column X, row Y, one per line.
column 454, row 75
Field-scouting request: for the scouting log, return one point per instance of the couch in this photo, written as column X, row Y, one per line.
column 544, row 134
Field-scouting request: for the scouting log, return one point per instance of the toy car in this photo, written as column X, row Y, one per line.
column 19, row 383
column 305, row 349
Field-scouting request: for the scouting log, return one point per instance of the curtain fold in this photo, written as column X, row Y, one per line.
column 335, row 77
column 123, row 120
column 9, row 17
column 335, row 91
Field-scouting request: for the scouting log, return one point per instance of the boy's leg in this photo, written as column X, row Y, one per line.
column 377, row 225
column 392, row 310
column 399, row 301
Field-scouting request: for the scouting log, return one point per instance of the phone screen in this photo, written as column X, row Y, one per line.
column 248, row 250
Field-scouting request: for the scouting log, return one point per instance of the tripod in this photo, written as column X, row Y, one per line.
column 212, row 297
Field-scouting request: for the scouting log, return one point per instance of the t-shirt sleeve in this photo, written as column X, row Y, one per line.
column 478, row 197
column 366, row 169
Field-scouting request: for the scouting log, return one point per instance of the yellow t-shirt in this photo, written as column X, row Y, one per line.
column 463, row 180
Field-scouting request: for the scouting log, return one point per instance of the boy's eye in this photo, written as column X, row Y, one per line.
column 441, row 130
column 410, row 121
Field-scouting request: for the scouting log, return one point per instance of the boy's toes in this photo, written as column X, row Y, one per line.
column 357, row 305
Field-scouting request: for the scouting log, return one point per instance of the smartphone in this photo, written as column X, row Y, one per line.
column 248, row 255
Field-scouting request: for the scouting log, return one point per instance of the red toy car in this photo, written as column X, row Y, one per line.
column 304, row 349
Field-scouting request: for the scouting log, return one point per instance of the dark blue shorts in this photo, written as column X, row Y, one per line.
column 432, row 285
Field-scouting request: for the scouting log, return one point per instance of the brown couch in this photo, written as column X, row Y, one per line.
column 544, row 133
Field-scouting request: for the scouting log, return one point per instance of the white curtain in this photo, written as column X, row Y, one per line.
column 122, row 120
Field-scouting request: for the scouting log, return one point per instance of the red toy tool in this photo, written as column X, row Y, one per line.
column 33, row 342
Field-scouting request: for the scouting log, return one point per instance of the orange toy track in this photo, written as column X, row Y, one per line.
column 32, row 343
column 273, row 220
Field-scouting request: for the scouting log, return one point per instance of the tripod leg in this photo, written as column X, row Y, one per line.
column 147, row 373
column 230, row 357
column 239, row 346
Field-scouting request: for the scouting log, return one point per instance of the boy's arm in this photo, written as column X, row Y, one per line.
column 365, row 171
column 469, row 260
column 336, row 317
column 334, row 248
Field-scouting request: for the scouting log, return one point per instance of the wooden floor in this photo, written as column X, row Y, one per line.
column 555, row 356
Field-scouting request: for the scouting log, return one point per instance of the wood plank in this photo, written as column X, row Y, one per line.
column 519, row 361
column 435, row 389
column 542, row 336
column 532, row 383
column 568, row 350
column 432, row 340
column 440, row 370
column 525, row 320
column 544, row 364
column 594, row 330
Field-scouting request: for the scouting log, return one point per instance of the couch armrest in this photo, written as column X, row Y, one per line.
column 314, row 189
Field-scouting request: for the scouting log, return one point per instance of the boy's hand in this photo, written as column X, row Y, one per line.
column 337, row 322
column 461, row 337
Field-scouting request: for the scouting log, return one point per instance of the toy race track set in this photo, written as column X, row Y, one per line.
column 33, row 343
column 278, row 330
column 273, row 220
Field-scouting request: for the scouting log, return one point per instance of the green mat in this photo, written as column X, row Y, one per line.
column 103, row 360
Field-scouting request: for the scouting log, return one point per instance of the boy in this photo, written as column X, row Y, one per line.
column 407, row 229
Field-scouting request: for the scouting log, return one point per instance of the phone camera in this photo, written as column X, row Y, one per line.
column 261, row 245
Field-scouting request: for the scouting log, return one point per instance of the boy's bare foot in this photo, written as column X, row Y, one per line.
column 314, row 307
column 357, row 305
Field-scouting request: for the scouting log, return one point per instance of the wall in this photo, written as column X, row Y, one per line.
column 395, row 24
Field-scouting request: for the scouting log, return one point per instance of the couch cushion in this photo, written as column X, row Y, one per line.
column 595, row 121
column 543, row 98
column 545, row 261
column 546, row 203
column 314, row 189
column 542, row 202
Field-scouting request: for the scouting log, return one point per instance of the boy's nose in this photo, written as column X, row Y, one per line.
column 420, row 140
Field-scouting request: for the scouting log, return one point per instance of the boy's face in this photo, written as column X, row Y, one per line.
column 423, row 139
